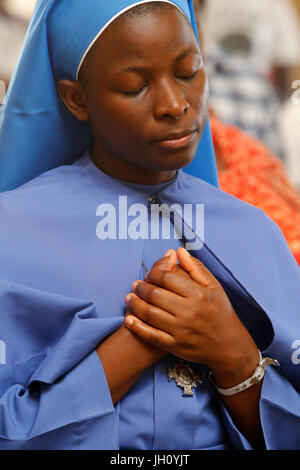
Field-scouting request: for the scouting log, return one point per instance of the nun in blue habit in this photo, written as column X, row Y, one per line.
column 65, row 274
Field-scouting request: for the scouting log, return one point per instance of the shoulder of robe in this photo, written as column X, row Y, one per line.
column 47, row 182
column 64, row 184
column 50, row 189
column 231, row 222
column 217, row 200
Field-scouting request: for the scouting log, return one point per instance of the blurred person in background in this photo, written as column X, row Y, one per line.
column 290, row 133
column 253, row 54
column 266, row 32
column 21, row 8
column 13, row 27
column 296, row 4
column 248, row 170
column 290, row 120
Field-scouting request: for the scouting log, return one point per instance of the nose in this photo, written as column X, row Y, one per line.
column 170, row 101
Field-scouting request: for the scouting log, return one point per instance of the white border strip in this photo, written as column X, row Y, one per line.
column 111, row 20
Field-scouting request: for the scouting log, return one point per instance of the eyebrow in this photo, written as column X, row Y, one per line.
column 181, row 56
column 185, row 53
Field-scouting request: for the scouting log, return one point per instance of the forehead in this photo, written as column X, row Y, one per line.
column 143, row 36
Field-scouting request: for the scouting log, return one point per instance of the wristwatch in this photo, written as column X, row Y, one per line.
column 258, row 375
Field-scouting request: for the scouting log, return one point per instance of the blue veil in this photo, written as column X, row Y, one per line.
column 37, row 132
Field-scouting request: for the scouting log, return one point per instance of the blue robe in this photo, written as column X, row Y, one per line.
column 62, row 292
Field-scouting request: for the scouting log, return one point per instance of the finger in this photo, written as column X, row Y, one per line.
column 196, row 269
column 151, row 335
column 167, row 262
column 176, row 269
column 173, row 282
column 181, row 272
column 159, row 297
column 149, row 314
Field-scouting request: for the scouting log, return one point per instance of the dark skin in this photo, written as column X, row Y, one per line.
column 180, row 308
column 172, row 94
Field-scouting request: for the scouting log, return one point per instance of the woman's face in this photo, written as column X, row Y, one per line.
column 146, row 96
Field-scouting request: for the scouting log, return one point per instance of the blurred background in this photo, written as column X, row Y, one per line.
column 252, row 56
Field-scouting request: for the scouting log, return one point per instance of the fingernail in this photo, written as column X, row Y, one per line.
column 187, row 252
column 129, row 321
column 134, row 285
column 127, row 298
column 167, row 254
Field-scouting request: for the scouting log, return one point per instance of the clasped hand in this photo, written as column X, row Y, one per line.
column 183, row 309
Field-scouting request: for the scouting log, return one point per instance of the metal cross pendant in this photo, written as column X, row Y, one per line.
column 185, row 377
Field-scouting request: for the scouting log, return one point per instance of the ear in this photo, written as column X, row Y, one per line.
column 74, row 98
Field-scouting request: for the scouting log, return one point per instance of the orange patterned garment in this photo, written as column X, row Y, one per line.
column 249, row 171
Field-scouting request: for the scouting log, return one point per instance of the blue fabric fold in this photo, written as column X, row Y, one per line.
column 51, row 417
column 62, row 292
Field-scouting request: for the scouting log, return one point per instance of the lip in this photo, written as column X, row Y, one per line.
column 178, row 140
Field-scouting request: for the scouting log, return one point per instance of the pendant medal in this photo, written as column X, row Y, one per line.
column 185, row 377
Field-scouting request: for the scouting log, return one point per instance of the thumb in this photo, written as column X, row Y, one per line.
column 197, row 271
column 167, row 262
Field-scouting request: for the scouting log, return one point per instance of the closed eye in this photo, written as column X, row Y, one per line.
column 138, row 92
column 188, row 77
column 134, row 93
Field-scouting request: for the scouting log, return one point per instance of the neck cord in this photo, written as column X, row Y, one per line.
column 155, row 200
